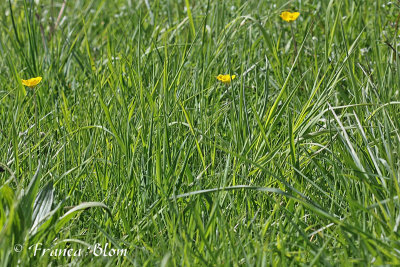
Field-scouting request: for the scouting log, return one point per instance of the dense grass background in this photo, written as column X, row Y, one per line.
column 296, row 162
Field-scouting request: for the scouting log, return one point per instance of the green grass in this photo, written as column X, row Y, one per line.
column 130, row 140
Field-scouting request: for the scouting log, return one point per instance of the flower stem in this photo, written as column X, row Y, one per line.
column 36, row 116
column 294, row 41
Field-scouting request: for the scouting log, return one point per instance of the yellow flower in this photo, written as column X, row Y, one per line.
column 31, row 83
column 289, row 16
column 226, row 78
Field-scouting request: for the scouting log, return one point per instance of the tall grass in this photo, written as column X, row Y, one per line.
column 137, row 145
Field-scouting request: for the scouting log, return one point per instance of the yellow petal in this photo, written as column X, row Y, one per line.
column 288, row 16
column 32, row 82
column 295, row 15
column 225, row 78
column 285, row 16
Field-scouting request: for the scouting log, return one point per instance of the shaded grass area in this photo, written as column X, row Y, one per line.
column 131, row 140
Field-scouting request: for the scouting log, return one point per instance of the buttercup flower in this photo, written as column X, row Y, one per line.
column 226, row 78
column 31, row 83
column 289, row 16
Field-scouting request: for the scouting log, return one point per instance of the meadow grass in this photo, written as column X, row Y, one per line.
column 131, row 141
